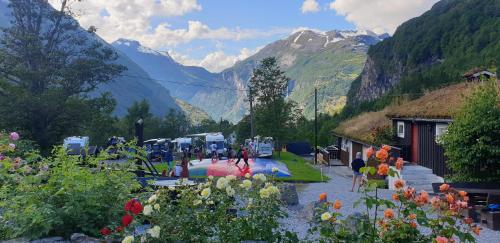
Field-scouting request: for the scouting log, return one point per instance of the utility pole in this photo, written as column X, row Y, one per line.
column 315, row 125
column 251, row 114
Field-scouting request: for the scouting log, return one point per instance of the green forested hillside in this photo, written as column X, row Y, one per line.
column 431, row 50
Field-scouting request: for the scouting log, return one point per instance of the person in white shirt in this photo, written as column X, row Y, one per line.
column 213, row 148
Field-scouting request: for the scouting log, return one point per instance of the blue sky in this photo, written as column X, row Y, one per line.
column 254, row 14
column 217, row 33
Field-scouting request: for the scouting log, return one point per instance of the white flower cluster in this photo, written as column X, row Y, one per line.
column 260, row 177
column 222, row 183
column 246, row 184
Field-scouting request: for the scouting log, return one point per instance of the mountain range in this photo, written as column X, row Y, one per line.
column 329, row 61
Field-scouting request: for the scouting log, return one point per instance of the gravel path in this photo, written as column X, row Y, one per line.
column 339, row 188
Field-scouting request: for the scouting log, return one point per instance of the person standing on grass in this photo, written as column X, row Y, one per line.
column 356, row 165
column 169, row 159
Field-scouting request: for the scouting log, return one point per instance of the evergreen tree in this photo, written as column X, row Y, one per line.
column 273, row 114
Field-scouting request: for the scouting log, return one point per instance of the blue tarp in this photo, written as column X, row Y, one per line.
column 299, row 148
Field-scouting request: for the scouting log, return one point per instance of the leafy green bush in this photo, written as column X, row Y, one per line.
column 59, row 196
column 473, row 139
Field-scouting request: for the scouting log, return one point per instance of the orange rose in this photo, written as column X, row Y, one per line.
column 383, row 169
column 387, row 148
column 389, row 213
column 435, row 201
column 423, row 198
column 462, row 193
column 382, row 155
column 337, row 205
column 322, row 197
column 413, row 224
column 450, row 198
column 412, row 216
column 369, row 152
column 398, row 184
column 441, row 239
column 476, row 230
column 395, row 197
column 445, row 187
column 409, row 192
column 466, row 198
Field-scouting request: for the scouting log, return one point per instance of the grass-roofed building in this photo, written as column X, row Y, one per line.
column 419, row 123
column 356, row 134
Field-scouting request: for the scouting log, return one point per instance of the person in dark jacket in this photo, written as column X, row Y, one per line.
column 356, row 165
column 239, row 154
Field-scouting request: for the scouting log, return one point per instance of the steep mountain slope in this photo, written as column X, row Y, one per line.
column 126, row 88
column 431, row 50
column 190, row 84
column 195, row 115
column 182, row 81
column 329, row 61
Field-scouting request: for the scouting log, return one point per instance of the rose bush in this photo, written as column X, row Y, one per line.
column 58, row 195
column 405, row 218
column 224, row 209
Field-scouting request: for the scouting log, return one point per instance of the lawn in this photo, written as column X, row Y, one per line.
column 300, row 169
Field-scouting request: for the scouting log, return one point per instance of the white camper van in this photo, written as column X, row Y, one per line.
column 216, row 138
column 182, row 143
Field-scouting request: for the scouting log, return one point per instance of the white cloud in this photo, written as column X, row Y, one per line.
column 310, row 6
column 215, row 61
column 380, row 16
column 131, row 19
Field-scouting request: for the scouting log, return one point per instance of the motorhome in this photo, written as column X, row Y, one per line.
column 78, row 145
column 181, row 144
column 216, row 138
column 261, row 147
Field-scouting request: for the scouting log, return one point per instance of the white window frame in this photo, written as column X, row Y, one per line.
column 440, row 130
column 401, row 133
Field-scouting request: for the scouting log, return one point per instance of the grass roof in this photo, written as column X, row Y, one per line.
column 359, row 128
column 438, row 104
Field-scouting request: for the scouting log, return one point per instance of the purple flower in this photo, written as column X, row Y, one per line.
column 2, row 157
column 14, row 136
column 12, row 146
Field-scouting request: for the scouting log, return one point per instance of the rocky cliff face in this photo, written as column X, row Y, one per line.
column 375, row 82
column 432, row 50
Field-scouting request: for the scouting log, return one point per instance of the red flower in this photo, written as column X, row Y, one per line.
column 127, row 220
column 133, row 206
column 105, row 231
column 137, row 208
column 119, row 229
column 128, row 205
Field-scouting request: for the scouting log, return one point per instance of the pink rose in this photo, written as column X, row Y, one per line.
column 14, row 136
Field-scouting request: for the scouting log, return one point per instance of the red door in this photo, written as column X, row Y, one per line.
column 414, row 143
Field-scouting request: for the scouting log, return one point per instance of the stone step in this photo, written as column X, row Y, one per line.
column 419, row 177
column 422, row 182
column 413, row 169
column 427, row 188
